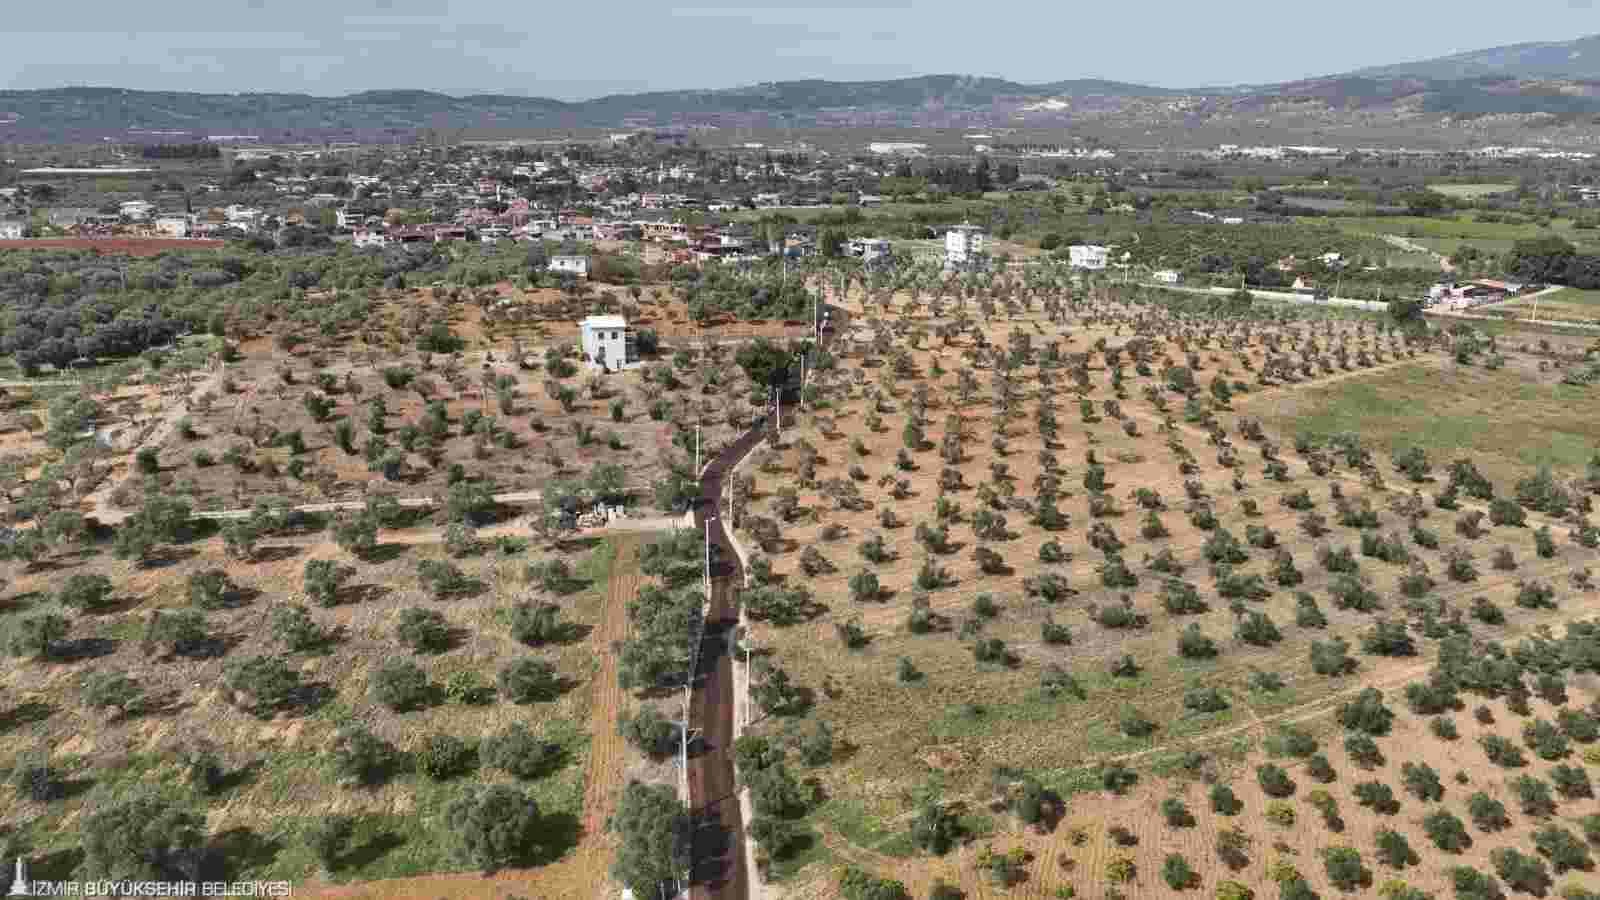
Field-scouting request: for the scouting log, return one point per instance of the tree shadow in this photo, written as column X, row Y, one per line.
column 81, row 649
column 382, row 553
column 167, row 557
column 559, row 833
column 229, row 854
column 361, row 593
column 372, row 850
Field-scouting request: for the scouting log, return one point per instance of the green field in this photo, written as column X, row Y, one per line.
column 1471, row 191
column 1570, row 304
column 1510, row 422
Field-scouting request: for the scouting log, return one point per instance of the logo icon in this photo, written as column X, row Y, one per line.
column 19, row 885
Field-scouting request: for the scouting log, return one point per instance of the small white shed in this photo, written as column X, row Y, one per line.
column 608, row 343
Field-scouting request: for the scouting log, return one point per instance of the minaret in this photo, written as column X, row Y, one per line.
column 19, row 886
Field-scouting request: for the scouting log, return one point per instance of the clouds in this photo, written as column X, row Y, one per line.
column 570, row 50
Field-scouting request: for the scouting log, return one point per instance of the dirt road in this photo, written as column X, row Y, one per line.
column 99, row 501
column 719, row 860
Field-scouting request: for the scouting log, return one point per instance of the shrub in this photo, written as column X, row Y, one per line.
column 1571, row 782
column 1318, row 767
column 494, row 826
column 211, row 589
column 361, row 757
column 85, row 593
column 529, row 680
column 1446, row 831
column 1193, row 644
column 1345, row 869
column 444, row 756
column 401, row 685
column 1378, row 797
column 1394, row 850
column 1274, row 781
column 1470, row 884
column 1421, row 781
column 1363, row 750
column 1331, row 657
column 1488, row 814
column 1134, row 724
column 1177, row 873
column 1502, row 752
column 1519, row 871
column 1223, row 800
column 1545, row 739
column 322, row 580
column 1205, row 700
column 1534, row 796
column 518, row 752
column 423, row 630
column 1176, row 813
column 1564, row 850
column 296, row 629
column 1367, row 713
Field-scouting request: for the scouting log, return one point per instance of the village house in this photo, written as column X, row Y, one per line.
column 1092, row 257
column 1167, row 276
column 12, row 229
column 608, row 343
column 175, row 226
column 574, row 265
column 962, row 244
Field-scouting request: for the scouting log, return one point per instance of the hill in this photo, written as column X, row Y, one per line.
column 1577, row 59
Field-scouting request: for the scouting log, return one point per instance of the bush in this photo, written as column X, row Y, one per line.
column 529, row 680
column 1176, row 813
column 1421, row 781
column 322, row 580
column 401, row 685
column 1274, row 781
column 1318, row 767
column 1470, row 884
column 518, row 752
column 1367, row 713
column 1345, row 869
column 112, row 690
column 650, row 732
column 1331, row 657
column 1177, row 873
column 1488, row 814
column 1564, row 850
column 1519, row 871
column 1378, row 797
column 1288, row 740
column 1223, row 801
column 494, row 826
column 1134, row 724
column 1394, row 850
column 1193, row 644
column 1534, row 796
column 1204, row 700
column 1502, row 752
column 1446, row 831
column 262, row 684
column 445, row 756
column 212, row 590
column 85, row 593
column 1363, row 750
column 327, row 838
column 423, row 630
column 361, row 757
column 1571, row 782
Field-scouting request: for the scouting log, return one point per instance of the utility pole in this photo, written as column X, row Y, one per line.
column 697, row 449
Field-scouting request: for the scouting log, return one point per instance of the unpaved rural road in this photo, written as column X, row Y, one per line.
column 100, row 499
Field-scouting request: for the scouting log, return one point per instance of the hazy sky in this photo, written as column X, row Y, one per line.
column 573, row 50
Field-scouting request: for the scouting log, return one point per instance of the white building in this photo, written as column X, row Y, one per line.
column 870, row 250
column 570, row 265
column 608, row 343
column 1088, row 256
column 1167, row 276
column 173, row 226
column 371, row 237
column 11, row 229
column 138, row 210
column 962, row 245
column 896, row 148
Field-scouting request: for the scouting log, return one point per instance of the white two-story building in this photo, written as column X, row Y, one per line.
column 1088, row 256
column 607, row 343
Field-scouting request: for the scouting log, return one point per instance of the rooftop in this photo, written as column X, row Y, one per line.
column 604, row 322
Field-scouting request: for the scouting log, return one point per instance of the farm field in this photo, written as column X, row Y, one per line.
column 279, row 769
column 1569, row 304
column 1139, row 574
column 1471, row 191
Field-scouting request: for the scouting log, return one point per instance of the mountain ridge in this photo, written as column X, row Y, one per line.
column 1534, row 84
